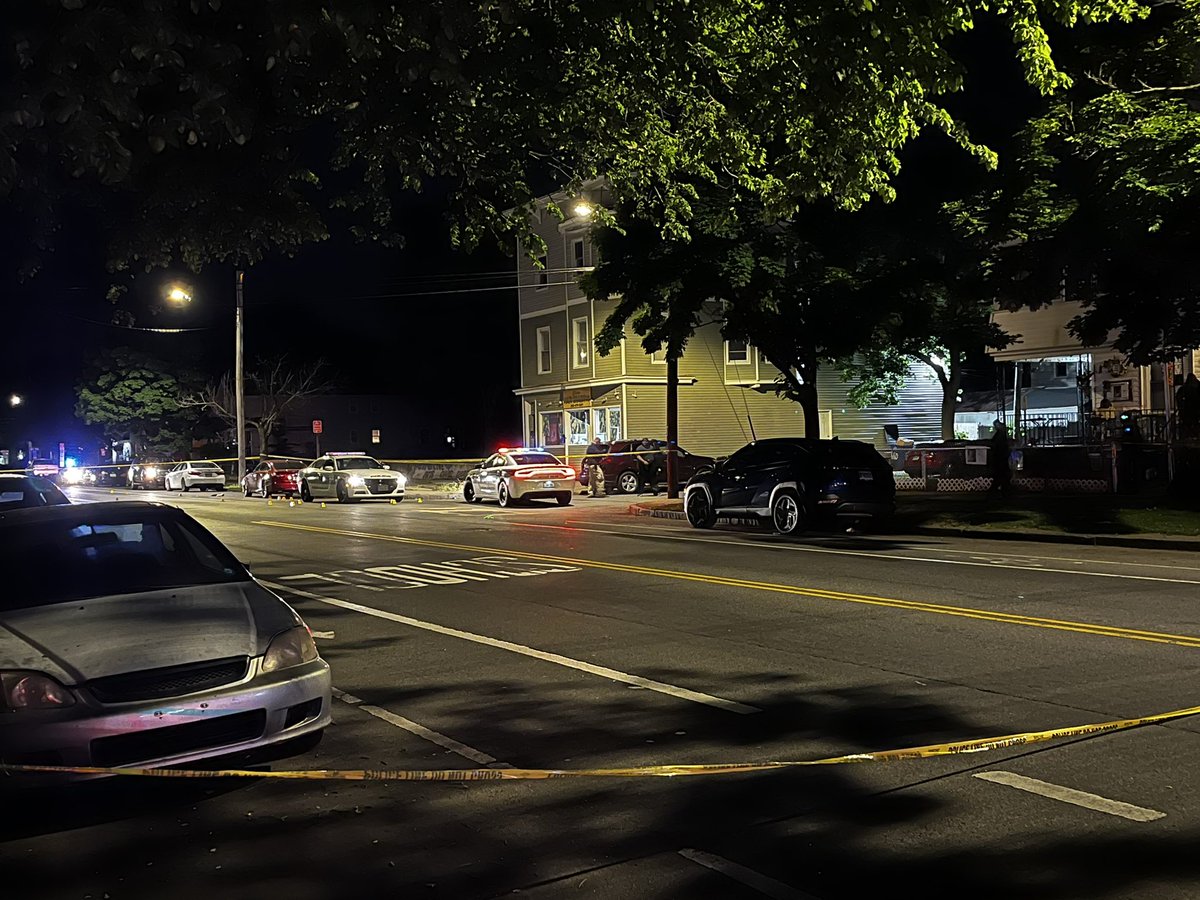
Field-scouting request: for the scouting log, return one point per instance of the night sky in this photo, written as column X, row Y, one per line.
column 420, row 321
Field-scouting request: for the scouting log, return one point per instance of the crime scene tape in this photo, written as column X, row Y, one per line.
column 977, row 745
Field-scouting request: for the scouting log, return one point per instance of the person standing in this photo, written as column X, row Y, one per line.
column 649, row 465
column 591, row 461
column 999, row 450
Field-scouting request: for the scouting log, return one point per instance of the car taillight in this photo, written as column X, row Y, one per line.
column 564, row 472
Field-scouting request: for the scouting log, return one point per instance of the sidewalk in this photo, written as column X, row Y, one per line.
column 912, row 519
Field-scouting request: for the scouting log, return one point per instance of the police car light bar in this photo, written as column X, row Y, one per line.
column 348, row 453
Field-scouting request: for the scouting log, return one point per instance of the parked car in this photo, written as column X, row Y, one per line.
column 510, row 476
column 147, row 474
column 942, row 458
column 792, row 482
column 350, row 477
column 622, row 473
column 272, row 477
column 201, row 473
column 186, row 656
column 44, row 468
column 112, row 475
column 19, row 491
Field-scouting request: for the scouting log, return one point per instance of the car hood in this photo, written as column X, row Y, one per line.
column 85, row 639
column 370, row 473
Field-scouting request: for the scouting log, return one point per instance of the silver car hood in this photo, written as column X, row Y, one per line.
column 85, row 639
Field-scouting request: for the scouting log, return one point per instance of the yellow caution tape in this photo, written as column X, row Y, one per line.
column 978, row 745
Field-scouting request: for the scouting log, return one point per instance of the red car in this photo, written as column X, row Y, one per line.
column 273, row 477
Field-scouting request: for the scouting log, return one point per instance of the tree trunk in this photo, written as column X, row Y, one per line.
column 950, row 386
column 806, row 394
column 672, row 425
column 262, row 439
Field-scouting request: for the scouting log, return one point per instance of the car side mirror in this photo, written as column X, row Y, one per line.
column 386, row 466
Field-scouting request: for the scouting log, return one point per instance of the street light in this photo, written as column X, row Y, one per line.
column 15, row 400
column 177, row 293
column 583, row 209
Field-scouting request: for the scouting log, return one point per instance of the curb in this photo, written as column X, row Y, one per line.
column 1094, row 540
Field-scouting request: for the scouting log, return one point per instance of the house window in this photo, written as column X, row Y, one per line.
column 659, row 356
column 1060, row 370
column 577, row 250
column 544, row 361
column 737, row 353
column 543, row 276
column 606, row 423
column 375, row 436
column 550, row 429
column 578, row 420
column 581, row 344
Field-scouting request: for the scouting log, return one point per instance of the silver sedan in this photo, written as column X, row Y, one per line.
column 510, row 476
column 130, row 636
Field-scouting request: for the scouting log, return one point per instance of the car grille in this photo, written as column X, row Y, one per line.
column 174, row 740
column 381, row 485
column 174, row 681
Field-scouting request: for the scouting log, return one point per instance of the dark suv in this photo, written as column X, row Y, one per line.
column 791, row 482
column 622, row 474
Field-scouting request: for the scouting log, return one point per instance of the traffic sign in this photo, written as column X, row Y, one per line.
column 318, row 426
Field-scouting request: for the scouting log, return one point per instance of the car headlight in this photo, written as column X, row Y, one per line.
column 32, row 690
column 73, row 476
column 150, row 472
column 356, row 481
column 401, row 480
column 289, row 648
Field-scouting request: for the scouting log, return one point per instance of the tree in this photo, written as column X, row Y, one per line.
column 205, row 128
column 135, row 396
column 1100, row 202
column 277, row 384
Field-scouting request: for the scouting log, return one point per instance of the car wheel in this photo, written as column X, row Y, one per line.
column 245, row 489
column 469, row 493
column 342, row 495
column 563, row 499
column 503, row 497
column 305, row 493
column 699, row 510
column 263, row 491
column 787, row 512
column 628, row 482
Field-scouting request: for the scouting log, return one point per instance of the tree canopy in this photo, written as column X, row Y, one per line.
column 217, row 131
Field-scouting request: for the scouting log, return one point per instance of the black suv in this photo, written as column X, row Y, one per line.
column 791, row 482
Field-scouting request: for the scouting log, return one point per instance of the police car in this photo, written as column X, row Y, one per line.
column 350, row 477
column 510, row 476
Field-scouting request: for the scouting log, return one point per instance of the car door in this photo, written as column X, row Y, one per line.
column 261, row 472
column 328, row 477
column 775, row 466
column 173, row 480
column 736, row 476
column 489, row 475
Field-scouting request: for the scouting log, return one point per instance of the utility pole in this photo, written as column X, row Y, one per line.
column 239, row 386
column 672, row 425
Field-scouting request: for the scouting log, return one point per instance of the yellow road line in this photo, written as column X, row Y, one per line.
column 1157, row 637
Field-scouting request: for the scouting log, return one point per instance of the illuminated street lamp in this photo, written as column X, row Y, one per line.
column 582, row 209
column 177, row 293
column 15, row 400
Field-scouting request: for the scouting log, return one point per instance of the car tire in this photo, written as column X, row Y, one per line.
column 563, row 499
column 787, row 513
column 628, row 482
column 503, row 497
column 263, row 491
column 245, row 489
column 340, row 490
column 699, row 510
column 305, row 493
column 469, row 493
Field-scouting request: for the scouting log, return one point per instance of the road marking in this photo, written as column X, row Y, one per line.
column 768, row 887
column 966, row 612
column 798, row 548
column 566, row 661
column 323, row 635
column 1072, row 796
column 476, row 756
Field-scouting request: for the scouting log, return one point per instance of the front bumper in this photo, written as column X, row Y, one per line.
column 532, row 488
column 376, row 489
column 260, row 711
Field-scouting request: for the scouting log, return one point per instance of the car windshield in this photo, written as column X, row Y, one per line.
column 535, row 459
column 25, row 492
column 357, row 462
column 98, row 554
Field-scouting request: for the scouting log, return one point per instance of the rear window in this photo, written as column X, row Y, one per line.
column 116, row 552
column 853, row 453
column 205, row 465
column 534, row 459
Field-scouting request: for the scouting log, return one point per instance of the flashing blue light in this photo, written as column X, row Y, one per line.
column 71, row 462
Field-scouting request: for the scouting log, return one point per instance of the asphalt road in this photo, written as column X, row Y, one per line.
column 474, row 637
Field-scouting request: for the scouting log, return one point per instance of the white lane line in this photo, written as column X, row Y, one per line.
column 323, row 635
column 796, row 548
column 768, row 887
column 1072, row 796
column 604, row 672
column 475, row 756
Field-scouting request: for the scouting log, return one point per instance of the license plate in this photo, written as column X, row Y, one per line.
column 866, row 475
column 547, row 484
